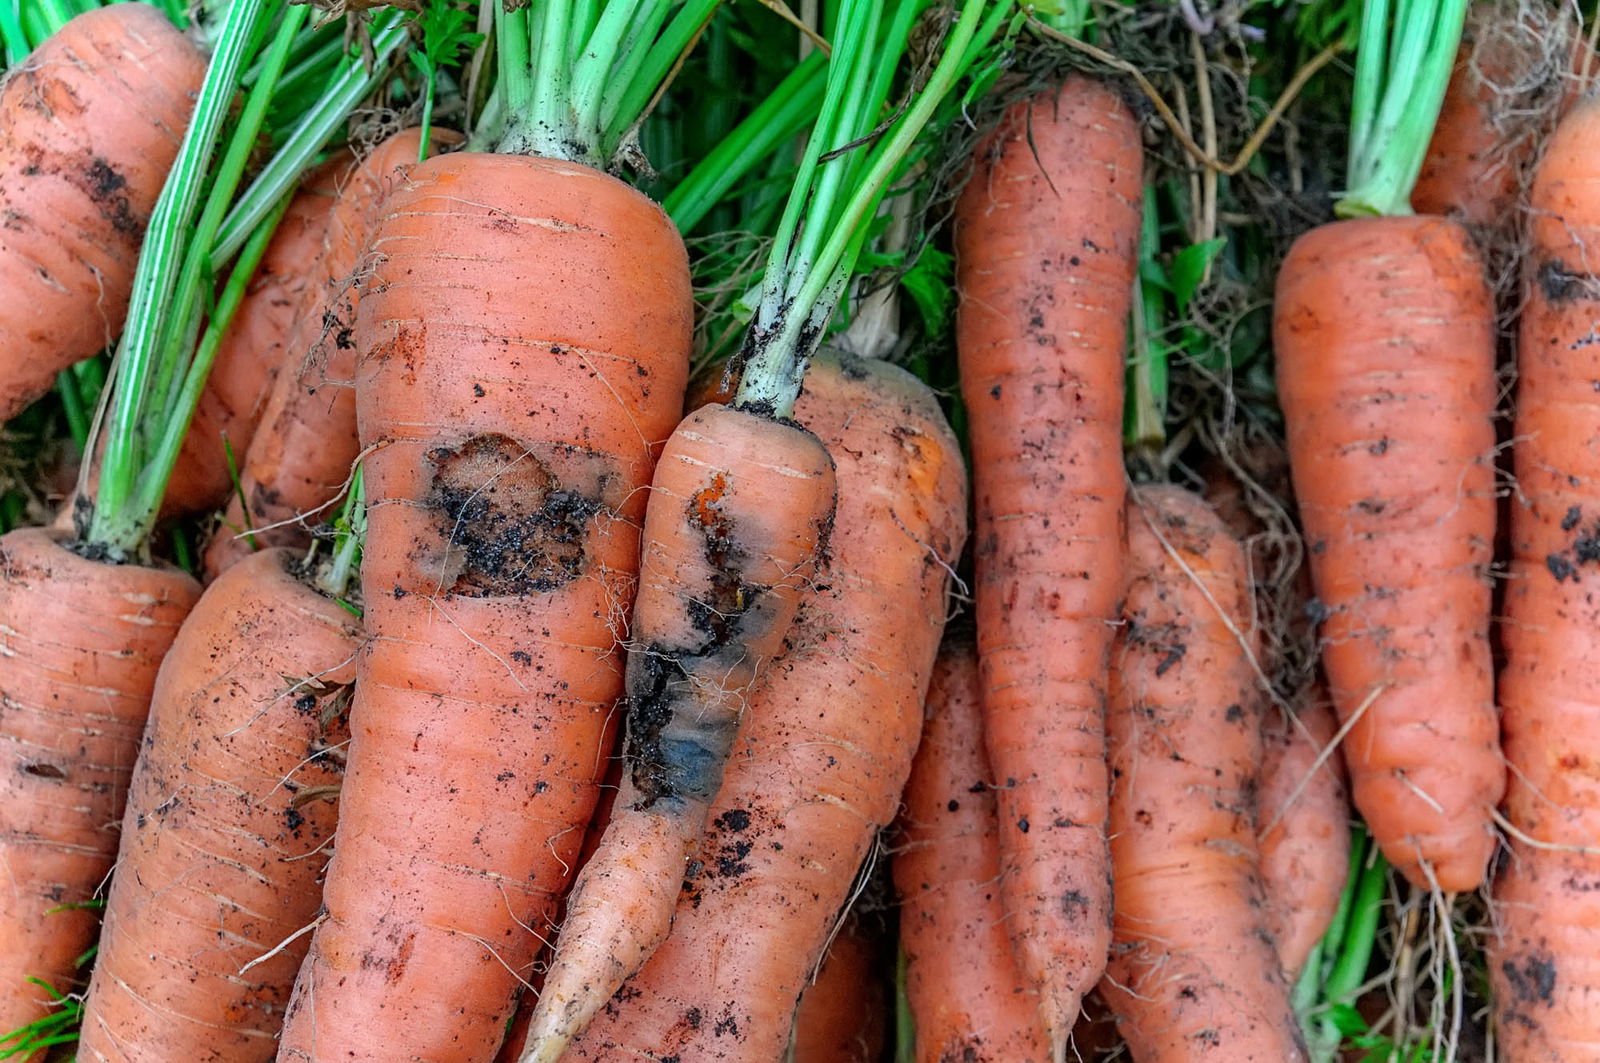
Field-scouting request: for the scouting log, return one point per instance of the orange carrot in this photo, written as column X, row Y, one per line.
column 254, row 348
column 968, row 998
column 1303, row 817
column 1514, row 60
column 1384, row 335
column 739, row 508
column 227, row 826
column 826, row 746
column 1547, row 897
column 511, row 442
column 1193, row 969
column 300, row 456
column 89, row 125
column 80, row 644
column 843, row 1014
column 1046, row 247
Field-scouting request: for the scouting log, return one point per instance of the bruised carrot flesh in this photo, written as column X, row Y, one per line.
column 843, row 1013
column 227, row 827
column 1384, row 334
column 254, row 347
column 1303, row 821
column 90, row 123
column 967, row 996
column 1193, row 971
column 80, row 643
column 740, row 506
column 825, row 746
column 1547, row 897
column 1046, row 237
column 512, row 397
column 301, row 454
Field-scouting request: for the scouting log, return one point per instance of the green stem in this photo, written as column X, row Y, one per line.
column 640, row 83
column 593, row 69
column 778, row 118
column 1355, row 944
column 310, row 135
column 152, row 485
column 16, row 41
column 772, row 374
column 54, row 14
column 156, row 275
column 73, row 406
column 348, row 541
column 1144, row 427
column 1395, row 105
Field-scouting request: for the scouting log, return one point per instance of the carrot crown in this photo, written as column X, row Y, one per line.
column 577, row 77
column 848, row 165
column 1403, row 60
column 197, row 227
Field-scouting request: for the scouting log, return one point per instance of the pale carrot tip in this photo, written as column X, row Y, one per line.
column 547, row 1038
column 1059, row 1039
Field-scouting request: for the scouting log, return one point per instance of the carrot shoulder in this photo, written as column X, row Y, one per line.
column 80, row 644
column 825, row 747
column 1046, row 246
column 1384, row 335
column 89, row 125
column 227, row 826
column 1547, row 897
column 301, row 454
column 511, row 443
column 967, row 996
column 1193, row 971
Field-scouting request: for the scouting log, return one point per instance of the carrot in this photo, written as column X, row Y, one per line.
column 227, row 825
column 79, row 648
column 1193, row 971
column 300, row 457
column 522, row 345
column 1546, row 906
column 1384, row 334
column 826, row 746
column 89, row 126
column 843, row 1014
column 254, row 349
column 739, row 510
column 1513, row 62
column 966, row 994
column 1304, row 830
column 1046, row 245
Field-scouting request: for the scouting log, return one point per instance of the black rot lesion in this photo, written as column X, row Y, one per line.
column 1561, row 284
column 1584, row 549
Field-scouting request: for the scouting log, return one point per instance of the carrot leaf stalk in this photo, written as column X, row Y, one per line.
column 1325, row 995
column 1144, row 420
column 350, row 529
column 1402, row 70
column 164, row 354
column 837, row 190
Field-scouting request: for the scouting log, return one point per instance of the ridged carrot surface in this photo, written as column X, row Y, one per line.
column 826, row 744
column 513, row 397
column 1046, row 242
column 80, row 643
column 1384, row 335
column 1545, row 957
column 89, row 125
column 229, row 822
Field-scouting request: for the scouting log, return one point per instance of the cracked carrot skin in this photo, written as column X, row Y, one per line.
column 524, row 346
column 1542, row 961
column 1194, row 972
column 1384, row 333
column 739, row 510
column 89, row 125
column 1046, row 240
column 80, row 643
column 968, row 998
column 222, row 855
column 825, row 748
column 301, row 453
